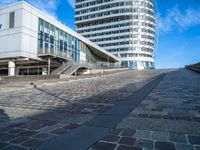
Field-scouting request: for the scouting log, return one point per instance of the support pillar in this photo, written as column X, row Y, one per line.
column 11, row 68
column 49, row 66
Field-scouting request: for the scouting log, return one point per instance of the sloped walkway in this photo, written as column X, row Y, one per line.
column 81, row 138
column 167, row 119
column 30, row 118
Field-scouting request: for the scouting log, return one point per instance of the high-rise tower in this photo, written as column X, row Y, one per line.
column 126, row 28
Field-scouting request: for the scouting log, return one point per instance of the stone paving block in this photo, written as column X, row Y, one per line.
column 197, row 147
column 15, row 131
column 155, row 116
column 196, row 119
column 143, row 115
column 7, row 137
column 104, row 146
column 116, row 131
column 177, row 137
column 60, row 131
column 6, row 129
column 32, row 143
column 14, row 147
column 144, row 143
column 183, row 118
column 52, row 127
column 110, row 138
column 19, row 140
column 128, row 132
column 184, row 147
column 71, row 126
column 127, row 141
column 161, row 136
column 27, row 133
column 124, row 147
column 3, row 144
column 194, row 139
column 164, row 145
column 168, row 117
column 2, row 134
column 44, row 136
column 142, row 134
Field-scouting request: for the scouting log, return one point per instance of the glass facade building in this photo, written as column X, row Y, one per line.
column 57, row 42
column 126, row 28
column 41, row 45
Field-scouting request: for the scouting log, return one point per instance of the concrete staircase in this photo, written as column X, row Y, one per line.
column 72, row 69
column 68, row 68
column 62, row 68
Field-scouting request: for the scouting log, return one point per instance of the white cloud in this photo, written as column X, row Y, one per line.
column 48, row 6
column 179, row 20
column 72, row 3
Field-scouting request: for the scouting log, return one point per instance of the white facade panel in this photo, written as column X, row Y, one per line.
column 22, row 40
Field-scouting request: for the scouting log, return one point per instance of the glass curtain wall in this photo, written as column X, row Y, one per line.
column 54, row 41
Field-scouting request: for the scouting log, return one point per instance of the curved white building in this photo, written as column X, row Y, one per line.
column 126, row 28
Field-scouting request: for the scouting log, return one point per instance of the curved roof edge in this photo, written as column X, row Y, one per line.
column 101, row 52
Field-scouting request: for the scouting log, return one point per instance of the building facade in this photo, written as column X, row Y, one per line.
column 126, row 28
column 32, row 42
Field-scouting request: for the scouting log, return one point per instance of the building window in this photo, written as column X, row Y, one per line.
column 12, row 20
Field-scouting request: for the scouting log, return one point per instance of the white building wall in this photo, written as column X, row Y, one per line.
column 22, row 40
column 29, row 32
column 10, row 39
column 99, row 25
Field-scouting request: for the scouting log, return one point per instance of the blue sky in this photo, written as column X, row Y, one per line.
column 179, row 28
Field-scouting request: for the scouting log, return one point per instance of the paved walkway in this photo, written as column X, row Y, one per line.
column 167, row 119
column 105, row 108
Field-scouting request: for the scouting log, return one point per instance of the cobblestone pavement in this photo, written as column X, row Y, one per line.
column 167, row 119
column 34, row 116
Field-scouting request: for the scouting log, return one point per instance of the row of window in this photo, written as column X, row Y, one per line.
column 105, row 21
column 135, row 55
column 118, row 11
column 112, row 38
column 106, row 27
column 144, row 49
column 115, row 26
column 146, row 43
column 148, row 31
column 134, row 64
column 132, row 36
column 89, row 4
column 118, row 49
column 109, row 33
column 149, row 37
column 54, row 40
column 112, row 5
column 115, row 44
column 120, row 31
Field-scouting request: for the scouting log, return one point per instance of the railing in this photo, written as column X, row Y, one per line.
column 73, row 68
column 63, row 55
column 62, row 68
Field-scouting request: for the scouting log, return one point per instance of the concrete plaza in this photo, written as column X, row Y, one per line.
column 129, row 110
